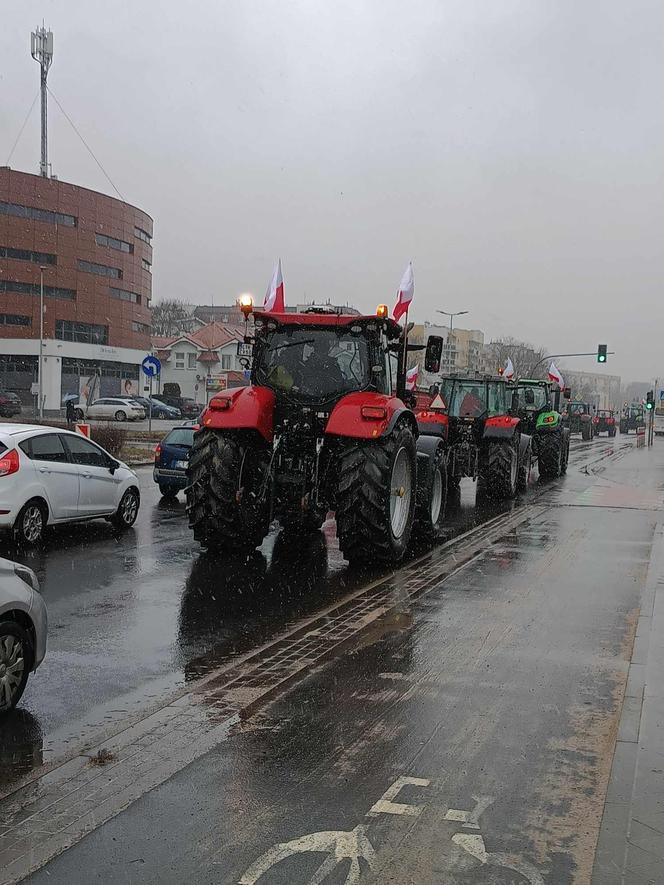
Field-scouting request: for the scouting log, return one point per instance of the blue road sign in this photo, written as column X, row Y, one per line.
column 661, row 394
column 151, row 366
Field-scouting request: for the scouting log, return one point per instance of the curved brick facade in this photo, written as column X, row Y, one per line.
column 96, row 253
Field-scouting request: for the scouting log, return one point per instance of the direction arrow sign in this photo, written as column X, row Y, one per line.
column 151, row 366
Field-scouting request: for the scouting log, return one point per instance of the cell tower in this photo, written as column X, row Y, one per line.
column 41, row 49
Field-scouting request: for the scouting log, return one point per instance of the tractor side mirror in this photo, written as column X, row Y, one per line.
column 433, row 354
column 567, row 392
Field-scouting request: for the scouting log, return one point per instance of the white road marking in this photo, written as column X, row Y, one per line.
column 471, row 819
column 472, row 843
column 385, row 805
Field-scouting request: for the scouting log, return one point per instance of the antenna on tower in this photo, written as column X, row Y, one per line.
column 41, row 49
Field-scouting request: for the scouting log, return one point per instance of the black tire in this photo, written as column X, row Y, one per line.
column 432, row 508
column 566, row 438
column 364, row 498
column 120, row 415
column 525, row 467
column 551, row 455
column 612, row 432
column 168, row 492
column 16, row 657
column 499, row 473
column 586, row 432
column 30, row 524
column 125, row 515
column 226, row 477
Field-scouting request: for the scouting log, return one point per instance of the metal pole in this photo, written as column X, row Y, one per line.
column 150, row 408
column 41, row 343
column 43, row 166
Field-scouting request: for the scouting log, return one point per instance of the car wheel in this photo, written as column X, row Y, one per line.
column 30, row 524
column 15, row 663
column 120, row 415
column 125, row 515
column 168, row 492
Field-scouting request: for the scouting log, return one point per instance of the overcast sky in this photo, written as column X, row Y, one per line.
column 514, row 149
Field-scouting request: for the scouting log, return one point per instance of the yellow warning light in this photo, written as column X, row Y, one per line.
column 246, row 302
column 382, row 311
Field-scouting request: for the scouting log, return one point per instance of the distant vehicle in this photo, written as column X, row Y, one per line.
column 578, row 418
column 633, row 416
column 23, row 626
column 171, row 460
column 605, row 422
column 49, row 477
column 159, row 409
column 188, row 407
column 111, row 408
column 539, row 412
column 659, row 419
column 10, row 404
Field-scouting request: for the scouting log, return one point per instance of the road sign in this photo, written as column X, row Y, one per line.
column 151, row 366
column 661, row 394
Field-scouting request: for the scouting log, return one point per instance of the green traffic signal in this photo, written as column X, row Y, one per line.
column 650, row 400
column 601, row 353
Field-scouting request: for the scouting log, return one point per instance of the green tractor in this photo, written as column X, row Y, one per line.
column 539, row 411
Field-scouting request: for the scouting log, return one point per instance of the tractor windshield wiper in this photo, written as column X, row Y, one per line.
column 291, row 344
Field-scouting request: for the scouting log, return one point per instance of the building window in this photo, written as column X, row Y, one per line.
column 191, row 360
column 84, row 333
column 37, row 214
column 146, row 265
column 225, row 361
column 27, row 255
column 140, row 327
column 33, row 289
column 101, row 269
column 123, row 295
column 179, row 360
column 112, row 243
column 142, row 235
column 14, row 319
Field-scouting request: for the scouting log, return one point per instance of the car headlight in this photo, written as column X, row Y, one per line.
column 27, row 576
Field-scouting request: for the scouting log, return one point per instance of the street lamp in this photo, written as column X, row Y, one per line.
column 457, row 313
column 41, row 342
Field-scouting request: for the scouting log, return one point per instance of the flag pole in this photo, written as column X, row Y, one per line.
column 401, row 386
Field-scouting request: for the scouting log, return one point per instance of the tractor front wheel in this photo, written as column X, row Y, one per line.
column 376, row 498
column 432, row 498
column 227, row 501
column 500, row 470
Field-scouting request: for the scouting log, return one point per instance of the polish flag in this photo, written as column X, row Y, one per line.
column 509, row 370
column 411, row 377
column 406, row 292
column 554, row 375
column 274, row 297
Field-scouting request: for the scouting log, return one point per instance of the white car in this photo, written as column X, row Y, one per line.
column 49, row 477
column 23, row 625
column 109, row 408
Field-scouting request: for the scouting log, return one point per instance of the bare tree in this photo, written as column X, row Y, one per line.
column 170, row 317
column 526, row 359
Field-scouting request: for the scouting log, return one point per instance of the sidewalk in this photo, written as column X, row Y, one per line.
column 630, row 850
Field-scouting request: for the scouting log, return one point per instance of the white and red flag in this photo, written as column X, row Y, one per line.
column 406, row 292
column 555, row 376
column 274, row 297
column 509, row 369
column 411, row 377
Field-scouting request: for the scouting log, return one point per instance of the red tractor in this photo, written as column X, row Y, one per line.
column 319, row 428
column 478, row 418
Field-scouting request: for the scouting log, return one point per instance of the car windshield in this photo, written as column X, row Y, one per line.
column 180, row 436
column 315, row 364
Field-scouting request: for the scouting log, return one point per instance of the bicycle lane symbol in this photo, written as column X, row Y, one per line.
column 354, row 845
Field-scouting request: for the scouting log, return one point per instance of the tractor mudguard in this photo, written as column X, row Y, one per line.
column 368, row 415
column 501, row 427
column 427, row 446
column 433, row 423
column 524, row 441
column 245, row 408
column 547, row 421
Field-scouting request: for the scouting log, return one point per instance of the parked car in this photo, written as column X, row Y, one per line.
column 188, row 407
column 171, row 460
column 159, row 409
column 23, row 625
column 118, row 408
column 50, row 477
column 10, row 404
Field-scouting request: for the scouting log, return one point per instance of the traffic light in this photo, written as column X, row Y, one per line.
column 601, row 353
column 650, row 400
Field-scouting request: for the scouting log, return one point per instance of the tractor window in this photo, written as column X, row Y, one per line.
column 314, row 364
column 464, row 399
column 498, row 400
column 576, row 408
column 532, row 398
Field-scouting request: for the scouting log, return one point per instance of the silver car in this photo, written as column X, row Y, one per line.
column 23, row 626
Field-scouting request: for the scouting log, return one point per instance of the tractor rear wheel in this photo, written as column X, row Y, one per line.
column 551, row 455
column 586, row 432
column 376, row 498
column 500, row 471
column 227, row 503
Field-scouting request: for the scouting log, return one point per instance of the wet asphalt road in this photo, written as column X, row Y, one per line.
column 501, row 687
